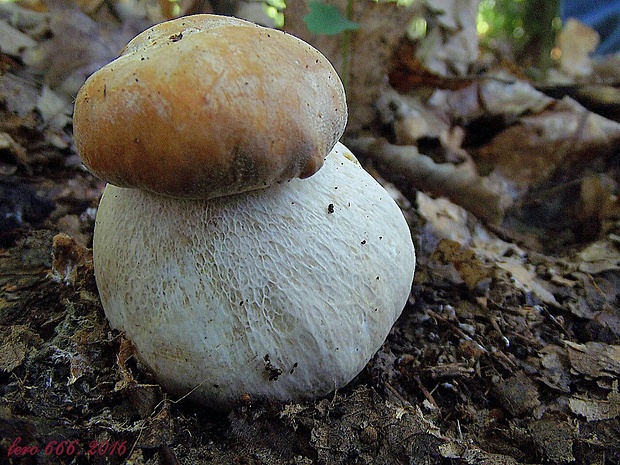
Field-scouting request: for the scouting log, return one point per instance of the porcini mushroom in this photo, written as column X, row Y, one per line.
column 205, row 105
column 251, row 282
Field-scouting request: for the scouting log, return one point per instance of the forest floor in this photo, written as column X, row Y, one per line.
column 479, row 368
column 508, row 350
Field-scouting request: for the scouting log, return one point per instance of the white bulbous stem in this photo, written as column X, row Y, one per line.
column 283, row 293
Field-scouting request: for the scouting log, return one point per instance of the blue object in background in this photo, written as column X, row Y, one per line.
column 601, row 15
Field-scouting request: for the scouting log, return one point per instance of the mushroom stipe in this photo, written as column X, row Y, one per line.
column 171, row 274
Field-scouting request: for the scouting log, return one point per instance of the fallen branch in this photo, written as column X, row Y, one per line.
column 461, row 185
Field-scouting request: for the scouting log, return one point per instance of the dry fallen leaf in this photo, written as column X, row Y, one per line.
column 451, row 43
column 411, row 118
column 473, row 456
column 554, row 436
column 554, row 371
column 469, row 267
column 525, row 278
column 517, row 394
column 504, row 95
column 565, row 134
column 576, row 42
column 55, row 110
column 594, row 359
column 444, row 219
column 20, row 95
column 596, row 409
column 79, row 45
column 15, row 342
column 599, row 256
column 14, row 42
column 72, row 263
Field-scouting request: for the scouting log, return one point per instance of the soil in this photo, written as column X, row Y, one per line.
column 489, row 363
column 508, row 350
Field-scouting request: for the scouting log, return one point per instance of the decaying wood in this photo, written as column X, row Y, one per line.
column 403, row 163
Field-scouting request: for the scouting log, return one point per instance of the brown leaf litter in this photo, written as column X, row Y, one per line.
column 506, row 353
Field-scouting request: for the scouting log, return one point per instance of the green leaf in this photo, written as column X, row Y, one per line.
column 278, row 4
column 327, row 20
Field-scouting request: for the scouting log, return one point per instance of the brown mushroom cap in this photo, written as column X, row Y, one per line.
column 204, row 106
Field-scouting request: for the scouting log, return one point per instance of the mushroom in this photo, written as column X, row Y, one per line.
column 241, row 282
column 204, row 106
